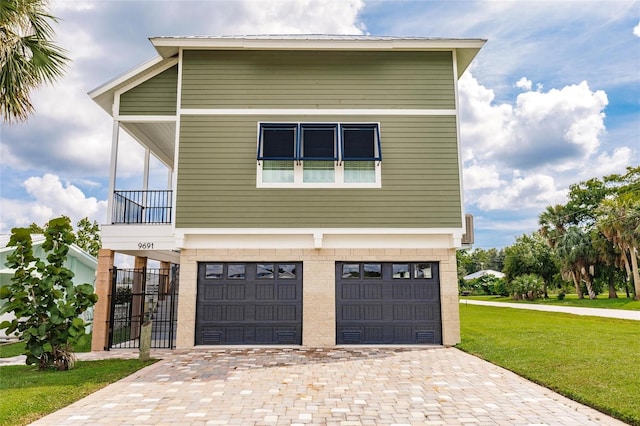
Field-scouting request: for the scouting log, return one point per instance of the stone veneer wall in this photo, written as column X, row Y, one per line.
column 318, row 294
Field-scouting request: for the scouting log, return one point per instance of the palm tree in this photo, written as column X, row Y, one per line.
column 620, row 223
column 553, row 222
column 578, row 257
column 28, row 58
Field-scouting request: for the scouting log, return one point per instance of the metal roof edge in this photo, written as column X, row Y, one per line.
column 168, row 45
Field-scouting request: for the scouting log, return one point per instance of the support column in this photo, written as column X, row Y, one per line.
column 102, row 309
column 137, row 303
column 113, row 170
column 165, row 280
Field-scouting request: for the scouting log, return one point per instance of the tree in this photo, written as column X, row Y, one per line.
column 530, row 255
column 28, row 57
column 553, row 222
column 46, row 303
column 88, row 236
column 578, row 257
column 620, row 224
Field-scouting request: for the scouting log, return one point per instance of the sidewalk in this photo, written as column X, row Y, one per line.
column 594, row 312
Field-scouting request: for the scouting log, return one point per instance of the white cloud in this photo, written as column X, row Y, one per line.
column 481, row 177
column 301, row 17
column 559, row 128
column 532, row 191
column 636, row 30
column 525, row 155
column 50, row 198
column 606, row 164
column 524, row 83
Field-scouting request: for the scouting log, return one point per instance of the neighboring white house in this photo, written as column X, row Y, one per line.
column 482, row 273
column 81, row 263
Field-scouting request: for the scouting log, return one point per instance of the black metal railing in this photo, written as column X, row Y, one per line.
column 153, row 206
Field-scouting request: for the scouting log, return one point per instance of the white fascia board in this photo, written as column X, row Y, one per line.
column 316, row 111
column 294, row 231
column 83, row 256
column 168, row 46
column 146, row 118
column 305, row 238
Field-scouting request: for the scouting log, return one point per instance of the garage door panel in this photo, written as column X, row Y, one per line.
column 265, row 313
column 372, row 291
column 399, row 305
column 351, row 312
column 373, row 312
column 401, row 290
column 212, row 292
column 265, row 291
column 249, row 303
column 287, row 292
column 351, row 291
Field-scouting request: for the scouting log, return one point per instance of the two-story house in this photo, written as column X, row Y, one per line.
column 315, row 194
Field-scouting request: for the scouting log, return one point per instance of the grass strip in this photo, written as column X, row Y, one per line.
column 8, row 350
column 602, row 301
column 591, row 360
column 28, row 394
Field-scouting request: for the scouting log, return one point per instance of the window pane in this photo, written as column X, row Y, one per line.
column 372, row 270
column 318, row 171
column 318, row 143
column 401, row 271
column 213, row 271
column 422, row 270
column 351, row 270
column 264, row 271
column 359, row 172
column 287, row 271
column 235, row 272
column 359, row 142
column 277, row 171
column 278, row 142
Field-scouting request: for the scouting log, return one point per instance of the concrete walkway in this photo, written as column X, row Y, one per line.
column 335, row 386
column 595, row 312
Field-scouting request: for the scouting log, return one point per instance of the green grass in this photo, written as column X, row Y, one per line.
column 591, row 360
column 28, row 394
column 622, row 302
column 8, row 350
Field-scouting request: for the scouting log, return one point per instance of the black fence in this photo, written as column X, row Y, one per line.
column 154, row 206
column 140, row 295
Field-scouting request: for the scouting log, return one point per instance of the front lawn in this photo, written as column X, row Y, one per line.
column 591, row 360
column 28, row 394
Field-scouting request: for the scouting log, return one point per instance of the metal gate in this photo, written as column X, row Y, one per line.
column 140, row 295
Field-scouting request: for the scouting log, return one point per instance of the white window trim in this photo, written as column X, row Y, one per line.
column 298, row 170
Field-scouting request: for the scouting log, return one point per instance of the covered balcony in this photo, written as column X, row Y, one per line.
column 142, row 207
column 143, row 197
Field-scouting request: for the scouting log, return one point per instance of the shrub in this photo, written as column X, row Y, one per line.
column 526, row 287
column 46, row 303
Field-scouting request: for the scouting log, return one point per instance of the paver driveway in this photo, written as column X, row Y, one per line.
column 338, row 386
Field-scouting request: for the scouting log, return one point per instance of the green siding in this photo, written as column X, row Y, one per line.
column 156, row 96
column 217, row 178
column 293, row 79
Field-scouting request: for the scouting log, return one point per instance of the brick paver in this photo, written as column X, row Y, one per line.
column 312, row 386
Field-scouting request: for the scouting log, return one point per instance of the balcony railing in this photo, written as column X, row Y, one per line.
column 139, row 207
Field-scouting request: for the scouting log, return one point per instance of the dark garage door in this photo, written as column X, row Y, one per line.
column 249, row 303
column 388, row 303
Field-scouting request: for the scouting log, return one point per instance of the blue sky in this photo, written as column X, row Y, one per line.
column 552, row 99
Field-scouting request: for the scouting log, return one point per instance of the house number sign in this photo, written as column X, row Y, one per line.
column 145, row 246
